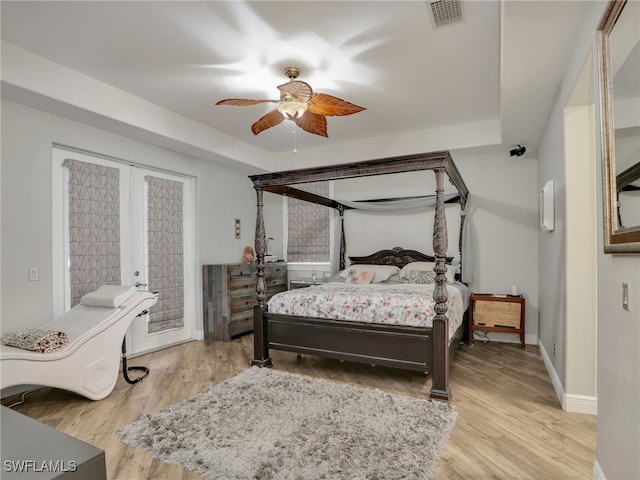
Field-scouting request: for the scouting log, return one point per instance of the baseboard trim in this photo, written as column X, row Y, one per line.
column 157, row 349
column 598, row 474
column 569, row 402
column 555, row 379
column 581, row 404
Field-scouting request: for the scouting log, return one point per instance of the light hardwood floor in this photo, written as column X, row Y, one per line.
column 510, row 425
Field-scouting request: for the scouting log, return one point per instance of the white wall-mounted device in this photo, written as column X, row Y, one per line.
column 547, row 218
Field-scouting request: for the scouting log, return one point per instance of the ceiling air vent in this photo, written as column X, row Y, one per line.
column 445, row 12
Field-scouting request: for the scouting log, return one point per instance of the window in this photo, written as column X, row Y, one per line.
column 309, row 227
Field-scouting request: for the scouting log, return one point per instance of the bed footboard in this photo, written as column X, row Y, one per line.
column 407, row 348
column 391, row 346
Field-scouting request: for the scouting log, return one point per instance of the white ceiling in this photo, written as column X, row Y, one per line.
column 501, row 66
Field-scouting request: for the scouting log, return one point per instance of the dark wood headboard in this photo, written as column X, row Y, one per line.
column 397, row 256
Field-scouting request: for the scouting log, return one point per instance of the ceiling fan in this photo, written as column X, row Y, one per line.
column 298, row 102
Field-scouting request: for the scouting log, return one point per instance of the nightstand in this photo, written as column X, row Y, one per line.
column 304, row 282
column 496, row 313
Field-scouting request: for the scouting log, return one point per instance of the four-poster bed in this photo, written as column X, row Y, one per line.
column 417, row 348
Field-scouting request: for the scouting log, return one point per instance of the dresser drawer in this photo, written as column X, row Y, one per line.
column 497, row 314
column 273, row 269
column 241, row 322
column 242, row 302
column 241, row 271
column 229, row 295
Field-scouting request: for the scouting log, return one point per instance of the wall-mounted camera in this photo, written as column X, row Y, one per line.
column 518, row 151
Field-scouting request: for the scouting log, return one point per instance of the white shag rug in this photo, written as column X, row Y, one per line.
column 265, row 424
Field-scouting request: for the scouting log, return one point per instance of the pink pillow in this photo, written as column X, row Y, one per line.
column 362, row 278
column 381, row 273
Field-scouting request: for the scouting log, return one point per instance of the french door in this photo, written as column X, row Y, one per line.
column 161, row 219
column 117, row 223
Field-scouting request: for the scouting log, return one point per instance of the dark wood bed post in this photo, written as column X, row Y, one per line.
column 440, row 389
column 343, row 241
column 462, row 215
column 260, row 339
column 463, row 218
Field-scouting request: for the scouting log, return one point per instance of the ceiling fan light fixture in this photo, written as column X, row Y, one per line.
column 297, row 98
column 292, row 109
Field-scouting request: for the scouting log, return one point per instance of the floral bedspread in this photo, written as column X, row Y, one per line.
column 392, row 304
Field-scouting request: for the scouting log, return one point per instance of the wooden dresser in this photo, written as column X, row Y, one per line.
column 229, row 295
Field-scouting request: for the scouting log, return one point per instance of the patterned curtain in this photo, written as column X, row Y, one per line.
column 309, row 227
column 93, row 203
column 165, row 252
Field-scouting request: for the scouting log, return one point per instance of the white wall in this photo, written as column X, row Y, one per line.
column 580, row 257
column 503, row 215
column 551, row 251
column 618, row 330
column 367, row 232
column 618, row 344
column 223, row 194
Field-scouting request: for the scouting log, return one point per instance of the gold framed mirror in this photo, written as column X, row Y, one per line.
column 619, row 82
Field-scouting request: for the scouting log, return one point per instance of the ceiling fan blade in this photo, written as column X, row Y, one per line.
column 243, row 102
column 271, row 119
column 300, row 91
column 313, row 123
column 324, row 104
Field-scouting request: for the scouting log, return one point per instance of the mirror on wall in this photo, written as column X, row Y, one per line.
column 619, row 79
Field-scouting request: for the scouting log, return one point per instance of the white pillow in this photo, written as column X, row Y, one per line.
column 410, row 267
column 109, row 296
column 382, row 273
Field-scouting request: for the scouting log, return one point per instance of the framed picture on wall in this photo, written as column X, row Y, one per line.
column 547, row 218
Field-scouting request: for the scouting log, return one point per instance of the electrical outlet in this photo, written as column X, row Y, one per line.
column 625, row 296
column 34, row 274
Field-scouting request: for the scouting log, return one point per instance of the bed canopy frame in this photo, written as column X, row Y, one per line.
column 280, row 183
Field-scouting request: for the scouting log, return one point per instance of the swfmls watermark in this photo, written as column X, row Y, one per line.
column 36, row 466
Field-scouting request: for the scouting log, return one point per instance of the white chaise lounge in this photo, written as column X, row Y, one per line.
column 89, row 363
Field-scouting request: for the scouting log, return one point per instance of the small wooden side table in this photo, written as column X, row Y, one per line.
column 496, row 313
